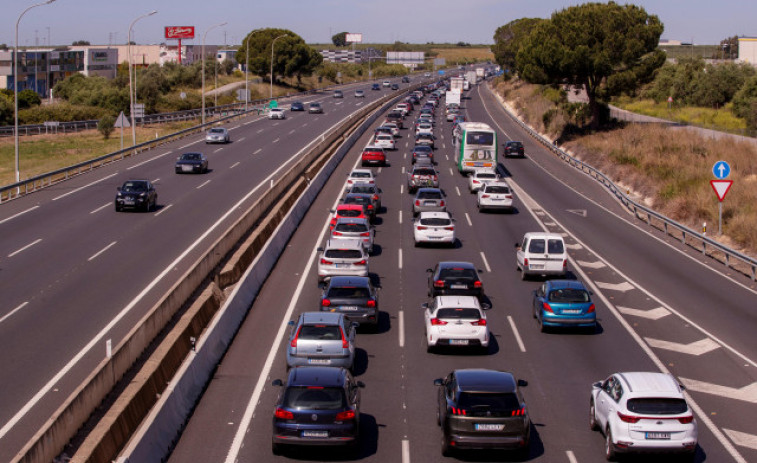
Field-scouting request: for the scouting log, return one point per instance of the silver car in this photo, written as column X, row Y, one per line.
column 429, row 200
column 217, row 135
column 354, row 228
column 323, row 339
column 342, row 257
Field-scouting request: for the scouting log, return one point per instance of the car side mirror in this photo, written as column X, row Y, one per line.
column 522, row 383
column 291, row 323
column 683, row 388
column 597, row 385
column 517, row 245
column 277, row 382
column 354, row 325
column 428, row 270
column 118, row 188
column 424, row 305
column 486, row 306
column 319, row 249
column 438, row 382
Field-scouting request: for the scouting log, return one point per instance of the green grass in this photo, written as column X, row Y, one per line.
column 718, row 119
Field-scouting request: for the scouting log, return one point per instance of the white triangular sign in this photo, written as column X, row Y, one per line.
column 122, row 121
column 721, row 188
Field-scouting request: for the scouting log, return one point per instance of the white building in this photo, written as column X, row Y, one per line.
column 748, row 50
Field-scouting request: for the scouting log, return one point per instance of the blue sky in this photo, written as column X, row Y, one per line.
column 380, row 21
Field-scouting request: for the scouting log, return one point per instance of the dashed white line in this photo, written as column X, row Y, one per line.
column 402, row 188
column 219, row 149
column 203, row 184
column 249, row 122
column 467, row 217
column 156, row 180
column 189, row 144
column 241, row 139
column 94, row 256
column 149, row 160
column 291, row 132
column 20, row 213
column 100, row 208
column 399, row 257
column 516, row 333
column 85, row 186
column 163, row 209
column 446, row 156
column 257, row 151
column 400, row 217
column 571, row 457
column 405, row 451
column 234, row 165
column 260, row 131
column 403, row 170
column 458, row 191
column 305, row 124
column 6, row 316
column 404, row 155
column 486, row 263
column 401, row 320
column 25, row 247
column 451, row 172
column 275, row 141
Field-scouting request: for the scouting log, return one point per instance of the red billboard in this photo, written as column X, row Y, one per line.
column 180, row 32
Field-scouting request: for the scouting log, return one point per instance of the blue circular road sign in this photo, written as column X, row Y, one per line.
column 721, row 170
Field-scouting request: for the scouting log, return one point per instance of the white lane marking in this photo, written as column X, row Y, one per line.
column 149, row 160
column 402, row 188
column 275, row 124
column 581, row 212
column 260, row 131
column 695, row 348
column 747, row 393
column 405, row 451
column 162, row 210
column 407, row 144
column 516, row 333
column 25, row 247
column 305, row 124
column 275, row 141
column 451, row 172
column 94, row 256
column 291, row 132
column 651, row 314
column 457, row 190
column 241, row 139
column 234, row 165
column 403, row 170
column 597, row 264
column 6, row 316
column 401, row 319
column 379, row 170
column 249, row 122
column 100, row 208
column 742, row 439
column 446, row 156
column 550, row 224
column 574, row 247
column 217, row 150
column 399, row 257
column 85, row 186
column 571, row 456
column 467, row 217
column 622, row 287
column 257, row 151
column 400, row 217
column 203, row 184
column 190, row 144
column 486, row 263
column 404, row 155
column 156, row 180
column 444, row 146
column 16, row 215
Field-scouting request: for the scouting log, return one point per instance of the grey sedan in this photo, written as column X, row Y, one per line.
column 217, row 135
column 321, row 338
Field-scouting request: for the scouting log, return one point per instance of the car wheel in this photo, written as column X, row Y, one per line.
column 610, row 453
column 118, row 208
column 592, row 416
column 523, row 275
column 276, row 449
column 446, row 448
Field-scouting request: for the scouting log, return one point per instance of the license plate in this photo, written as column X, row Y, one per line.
column 458, row 342
column 571, row 311
column 536, row 266
column 348, row 307
column 319, row 361
column 489, row 427
column 458, row 286
column 658, row 435
column 341, row 265
column 186, row 168
column 434, row 237
column 429, row 203
column 129, row 202
column 315, row 434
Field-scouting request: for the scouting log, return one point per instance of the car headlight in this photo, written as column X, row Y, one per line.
column 142, row 195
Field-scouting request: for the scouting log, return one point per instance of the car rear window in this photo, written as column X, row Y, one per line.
column 467, row 314
column 422, row 149
column 502, row 402
column 497, row 189
column 436, row 222
column 349, row 213
column 515, row 145
column 657, row 406
column 568, row 295
column 429, row 195
column 361, row 175
column 348, row 292
column 357, row 200
column 191, row 156
column 424, row 172
column 314, row 398
column 343, row 254
column 362, row 189
column 319, row 332
column 480, row 138
column 536, row 246
column 216, row 130
column 486, row 175
column 351, row 227
column 555, row 247
column 457, row 272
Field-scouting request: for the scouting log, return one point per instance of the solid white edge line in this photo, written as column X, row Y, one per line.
column 571, row 456
column 148, row 160
column 25, row 247
column 234, row 165
column 16, row 215
column 189, row 144
column 467, row 217
column 486, row 263
column 162, row 209
column 405, row 451
column 516, row 334
column 400, row 217
column 6, row 316
column 100, row 208
column 101, row 251
column 85, row 186
column 401, row 321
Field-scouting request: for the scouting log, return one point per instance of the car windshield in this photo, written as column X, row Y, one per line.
column 657, row 406
column 436, row 222
column 351, row 227
column 458, row 314
column 492, row 401
column 314, row 398
column 343, row 254
column 130, row 187
column 355, row 292
column 319, row 332
column 497, row 189
column 357, row 199
column 191, row 156
column 457, row 272
column 568, row 295
column 429, row 194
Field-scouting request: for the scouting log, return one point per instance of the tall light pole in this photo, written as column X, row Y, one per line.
column 203, row 65
column 132, row 87
column 15, row 86
column 272, row 43
column 246, row 67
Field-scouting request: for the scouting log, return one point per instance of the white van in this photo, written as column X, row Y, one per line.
column 541, row 254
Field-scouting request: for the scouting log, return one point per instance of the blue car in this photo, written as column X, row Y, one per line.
column 375, row 87
column 564, row 303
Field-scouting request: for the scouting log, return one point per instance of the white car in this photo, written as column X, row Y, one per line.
column 276, row 113
column 359, row 94
column 402, row 107
column 343, row 257
column 541, row 254
column 393, row 126
column 642, row 412
column 360, row 176
column 456, row 321
column 386, row 83
column 385, row 141
column 479, row 177
column 495, row 195
column 424, row 127
column 434, row 227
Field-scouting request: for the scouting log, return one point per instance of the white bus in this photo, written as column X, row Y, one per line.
column 475, row 146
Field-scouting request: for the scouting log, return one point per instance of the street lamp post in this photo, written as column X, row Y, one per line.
column 272, row 44
column 203, row 65
column 132, row 87
column 246, row 67
column 15, row 86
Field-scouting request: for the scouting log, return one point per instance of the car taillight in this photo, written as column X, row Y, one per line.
column 449, row 228
column 686, row 419
column 284, row 414
column 345, row 415
column 421, row 227
column 365, row 234
column 325, row 303
column 434, row 177
column 477, row 284
column 326, row 262
column 525, row 263
column 371, row 303
column 476, row 181
column 480, row 322
column 546, row 307
column 441, row 203
column 591, row 309
column 362, row 262
column 375, row 197
column 484, row 196
column 519, row 412
column 628, row 418
column 565, row 263
column 370, row 206
column 417, row 202
column 458, row 411
column 509, row 196
column 436, row 322
column 294, row 340
column 336, row 233
column 439, row 284
column 345, row 341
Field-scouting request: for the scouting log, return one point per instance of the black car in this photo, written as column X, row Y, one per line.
column 395, row 87
column 483, row 409
column 421, row 152
column 136, row 194
column 405, row 80
column 189, row 163
column 454, row 279
column 355, row 297
column 317, row 406
column 364, row 199
column 297, row 106
column 514, row 148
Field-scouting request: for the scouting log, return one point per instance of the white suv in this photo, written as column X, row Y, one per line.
column 541, row 254
column 642, row 412
column 456, row 321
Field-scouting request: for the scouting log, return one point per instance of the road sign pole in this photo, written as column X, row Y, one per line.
column 720, row 217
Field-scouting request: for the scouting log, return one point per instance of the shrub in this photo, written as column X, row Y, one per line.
column 105, row 125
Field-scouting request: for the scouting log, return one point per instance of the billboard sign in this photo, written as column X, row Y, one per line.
column 180, row 32
column 354, row 38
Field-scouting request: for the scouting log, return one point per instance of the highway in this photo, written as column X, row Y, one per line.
column 74, row 273
column 662, row 307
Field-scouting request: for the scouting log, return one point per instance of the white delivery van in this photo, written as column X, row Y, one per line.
column 541, row 254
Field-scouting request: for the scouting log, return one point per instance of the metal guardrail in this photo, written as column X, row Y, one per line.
column 706, row 245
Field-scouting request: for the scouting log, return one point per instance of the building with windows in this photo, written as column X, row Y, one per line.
column 39, row 70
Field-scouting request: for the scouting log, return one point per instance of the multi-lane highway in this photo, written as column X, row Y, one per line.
column 661, row 307
column 74, row 273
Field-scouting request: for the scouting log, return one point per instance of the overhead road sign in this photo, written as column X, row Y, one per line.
column 721, row 188
column 721, row 170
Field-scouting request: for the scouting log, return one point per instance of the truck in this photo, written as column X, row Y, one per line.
column 452, row 97
column 480, row 72
column 471, row 77
column 456, row 84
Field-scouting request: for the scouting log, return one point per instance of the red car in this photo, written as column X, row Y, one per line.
column 356, row 211
column 373, row 155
